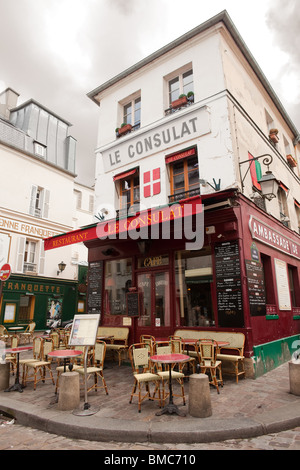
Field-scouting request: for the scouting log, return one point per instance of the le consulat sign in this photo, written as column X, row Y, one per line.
column 142, row 144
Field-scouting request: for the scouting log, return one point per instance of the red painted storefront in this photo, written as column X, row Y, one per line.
column 218, row 292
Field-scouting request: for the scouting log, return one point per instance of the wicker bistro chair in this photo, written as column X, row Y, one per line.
column 165, row 347
column 149, row 341
column 96, row 369
column 27, row 335
column 207, row 356
column 11, row 358
column 140, row 361
column 42, row 366
column 177, row 347
column 37, row 349
column 4, row 335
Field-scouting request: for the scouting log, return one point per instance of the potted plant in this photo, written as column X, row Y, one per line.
column 273, row 135
column 181, row 101
column 291, row 161
column 190, row 96
column 124, row 129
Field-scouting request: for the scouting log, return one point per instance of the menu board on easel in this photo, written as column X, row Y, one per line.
column 84, row 330
column 256, row 288
column 229, row 285
column 94, row 294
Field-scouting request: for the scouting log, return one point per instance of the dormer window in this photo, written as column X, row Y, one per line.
column 39, row 149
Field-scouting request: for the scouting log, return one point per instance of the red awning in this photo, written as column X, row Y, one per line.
column 297, row 203
column 180, row 155
column 125, row 174
column 284, row 187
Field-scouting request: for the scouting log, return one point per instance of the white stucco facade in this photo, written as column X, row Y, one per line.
column 233, row 110
column 38, row 200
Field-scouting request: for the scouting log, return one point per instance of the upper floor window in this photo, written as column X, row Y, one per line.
column 283, row 207
column 182, row 84
column 78, row 198
column 30, row 256
column 132, row 113
column 184, row 175
column 40, row 149
column 129, row 190
column 39, row 201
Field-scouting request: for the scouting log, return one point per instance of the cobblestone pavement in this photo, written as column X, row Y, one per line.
column 16, row 437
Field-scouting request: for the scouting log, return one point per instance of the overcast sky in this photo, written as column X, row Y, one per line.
column 56, row 51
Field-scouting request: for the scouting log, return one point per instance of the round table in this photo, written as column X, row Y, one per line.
column 65, row 354
column 16, row 328
column 170, row 359
column 17, row 386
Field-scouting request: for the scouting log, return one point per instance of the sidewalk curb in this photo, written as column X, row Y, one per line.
column 190, row 430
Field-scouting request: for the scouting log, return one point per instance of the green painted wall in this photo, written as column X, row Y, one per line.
column 44, row 291
column 268, row 356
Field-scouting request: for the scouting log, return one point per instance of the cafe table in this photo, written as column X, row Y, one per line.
column 17, row 386
column 65, row 354
column 170, row 359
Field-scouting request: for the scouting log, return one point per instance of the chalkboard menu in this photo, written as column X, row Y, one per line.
column 256, row 288
column 133, row 304
column 94, row 298
column 229, row 286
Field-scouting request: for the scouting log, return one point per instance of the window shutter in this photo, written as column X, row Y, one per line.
column 45, row 214
column 20, row 254
column 34, row 189
column 42, row 259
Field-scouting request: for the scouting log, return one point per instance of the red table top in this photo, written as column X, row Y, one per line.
column 170, row 358
column 18, row 349
column 61, row 353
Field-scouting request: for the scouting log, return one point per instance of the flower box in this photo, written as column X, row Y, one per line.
column 273, row 135
column 178, row 103
column 291, row 161
column 124, row 129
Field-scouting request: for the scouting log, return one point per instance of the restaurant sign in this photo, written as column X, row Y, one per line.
column 269, row 236
column 136, row 227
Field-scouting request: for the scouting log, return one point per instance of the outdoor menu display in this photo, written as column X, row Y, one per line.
column 94, row 294
column 229, row 286
column 84, row 330
column 133, row 304
column 256, row 288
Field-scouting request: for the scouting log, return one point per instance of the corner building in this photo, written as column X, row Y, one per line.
column 182, row 146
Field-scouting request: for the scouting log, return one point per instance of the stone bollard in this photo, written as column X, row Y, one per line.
column 69, row 391
column 199, row 396
column 294, row 374
column 4, row 376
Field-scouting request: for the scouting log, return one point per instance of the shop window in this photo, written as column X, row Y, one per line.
column 193, row 273
column 26, row 309
column 130, row 192
column 184, row 178
column 117, row 281
column 293, row 282
column 268, row 279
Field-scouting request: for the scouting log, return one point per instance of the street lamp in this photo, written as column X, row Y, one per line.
column 61, row 267
column 268, row 182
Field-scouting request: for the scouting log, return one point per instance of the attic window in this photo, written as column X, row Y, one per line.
column 40, row 149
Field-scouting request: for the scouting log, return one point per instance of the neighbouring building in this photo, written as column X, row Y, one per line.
column 194, row 136
column 39, row 198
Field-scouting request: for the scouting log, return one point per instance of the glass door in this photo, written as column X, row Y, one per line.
column 155, row 304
